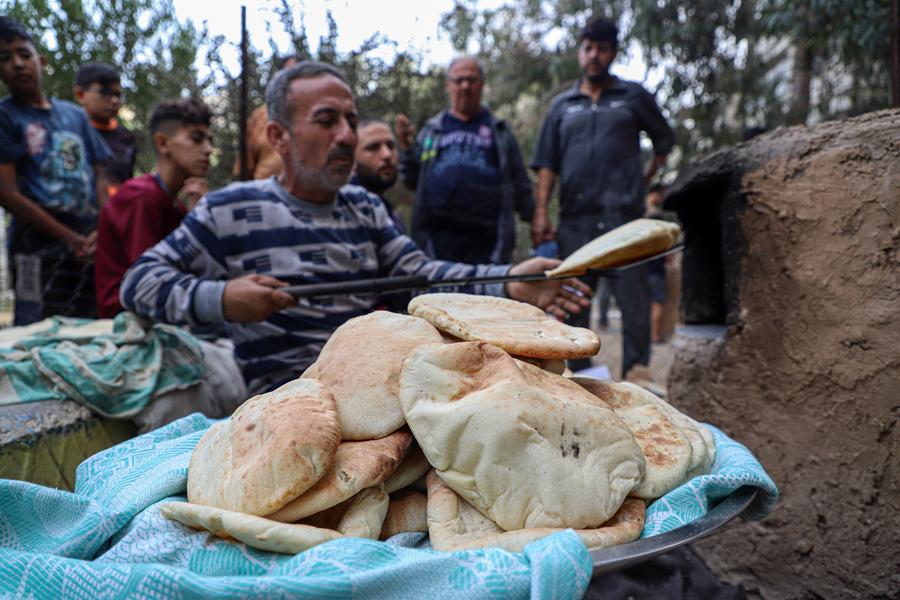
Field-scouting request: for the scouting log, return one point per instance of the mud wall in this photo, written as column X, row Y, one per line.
column 807, row 374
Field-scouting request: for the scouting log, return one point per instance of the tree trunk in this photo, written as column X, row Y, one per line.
column 802, row 80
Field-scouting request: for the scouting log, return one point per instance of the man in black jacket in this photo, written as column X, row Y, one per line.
column 590, row 141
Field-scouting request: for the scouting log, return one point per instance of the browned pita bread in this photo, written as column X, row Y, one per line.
column 518, row 328
column 526, row 447
column 360, row 364
column 628, row 243
column 272, row 449
column 406, row 513
column 667, row 449
column 454, row 524
column 414, row 466
column 356, row 466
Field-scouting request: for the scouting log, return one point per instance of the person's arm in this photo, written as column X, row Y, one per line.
column 182, row 280
column 409, row 153
column 654, row 123
column 101, row 183
column 655, row 164
column 542, row 229
column 32, row 215
column 523, row 199
column 545, row 161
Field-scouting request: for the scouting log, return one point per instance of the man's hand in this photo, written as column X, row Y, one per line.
column 656, row 164
column 559, row 297
column 194, row 188
column 406, row 133
column 254, row 298
column 82, row 246
column 542, row 229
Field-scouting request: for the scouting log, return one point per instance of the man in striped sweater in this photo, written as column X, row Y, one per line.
column 231, row 255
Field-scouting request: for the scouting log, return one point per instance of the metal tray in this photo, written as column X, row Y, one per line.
column 616, row 558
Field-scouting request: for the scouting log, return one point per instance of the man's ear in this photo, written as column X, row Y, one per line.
column 161, row 143
column 278, row 137
column 78, row 91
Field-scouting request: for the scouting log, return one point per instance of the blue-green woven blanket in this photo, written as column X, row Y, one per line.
column 108, row 540
column 114, row 367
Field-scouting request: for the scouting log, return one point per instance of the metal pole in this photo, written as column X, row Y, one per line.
column 895, row 53
column 242, row 109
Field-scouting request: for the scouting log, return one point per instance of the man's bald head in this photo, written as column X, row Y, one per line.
column 465, row 82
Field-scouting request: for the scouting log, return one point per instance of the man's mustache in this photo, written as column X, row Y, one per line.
column 341, row 152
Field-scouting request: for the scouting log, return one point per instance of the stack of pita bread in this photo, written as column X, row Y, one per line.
column 453, row 420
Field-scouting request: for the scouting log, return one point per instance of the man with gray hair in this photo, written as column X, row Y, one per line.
column 230, row 257
column 468, row 174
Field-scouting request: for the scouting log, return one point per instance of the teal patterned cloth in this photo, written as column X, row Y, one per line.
column 108, row 540
column 735, row 467
column 114, row 367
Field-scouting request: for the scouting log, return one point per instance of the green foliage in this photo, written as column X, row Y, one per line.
column 728, row 64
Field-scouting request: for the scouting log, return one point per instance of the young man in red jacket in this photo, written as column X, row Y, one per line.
column 147, row 208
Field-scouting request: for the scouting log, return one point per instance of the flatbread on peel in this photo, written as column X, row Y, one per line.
column 407, row 512
column 360, row 364
column 516, row 327
column 630, row 242
column 526, row 447
column 454, row 524
column 257, row 532
column 272, row 449
column 356, row 466
column 667, row 449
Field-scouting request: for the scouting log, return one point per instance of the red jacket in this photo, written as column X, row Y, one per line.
column 138, row 216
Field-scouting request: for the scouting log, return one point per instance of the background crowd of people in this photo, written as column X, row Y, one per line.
column 82, row 221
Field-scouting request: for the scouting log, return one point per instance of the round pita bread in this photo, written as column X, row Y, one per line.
column 630, row 242
column 554, row 365
column 414, row 466
column 272, row 449
column 454, row 524
column 360, row 364
column 516, row 327
column 257, row 532
column 667, row 449
column 407, row 512
column 526, row 447
column 328, row 518
column 365, row 514
column 356, row 466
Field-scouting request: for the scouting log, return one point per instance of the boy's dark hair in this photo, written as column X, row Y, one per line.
column 186, row 111
column 11, row 29
column 601, row 29
column 98, row 72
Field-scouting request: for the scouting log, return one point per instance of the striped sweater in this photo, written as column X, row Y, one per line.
column 259, row 227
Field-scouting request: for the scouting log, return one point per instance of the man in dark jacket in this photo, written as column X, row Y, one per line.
column 468, row 174
column 590, row 141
